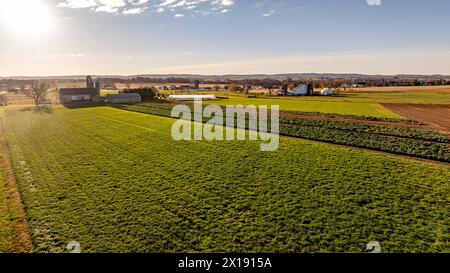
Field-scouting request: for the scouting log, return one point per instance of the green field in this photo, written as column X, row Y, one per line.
column 307, row 105
column 419, row 95
column 363, row 104
column 116, row 181
column 416, row 97
column 390, row 138
column 105, row 93
column 6, row 225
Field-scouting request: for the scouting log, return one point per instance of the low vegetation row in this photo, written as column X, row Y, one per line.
column 355, row 117
column 393, row 144
column 393, row 139
column 411, row 133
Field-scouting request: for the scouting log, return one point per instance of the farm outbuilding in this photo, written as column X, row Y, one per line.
column 78, row 94
column 192, row 97
column 299, row 91
column 302, row 90
column 327, row 92
column 90, row 93
column 124, row 98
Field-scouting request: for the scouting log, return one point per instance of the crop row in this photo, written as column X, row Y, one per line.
column 397, row 145
column 393, row 139
column 388, row 130
column 355, row 117
column 165, row 105
column 164, row 109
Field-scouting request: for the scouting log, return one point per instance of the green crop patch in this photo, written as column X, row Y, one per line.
column 308, row 105
column 115, row 181
column 6, row 223
column 387, row 138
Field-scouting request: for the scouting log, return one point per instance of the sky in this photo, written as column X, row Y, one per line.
column 129, row 37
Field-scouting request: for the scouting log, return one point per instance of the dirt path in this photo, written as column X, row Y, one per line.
column 436, row 117
column 21, row 241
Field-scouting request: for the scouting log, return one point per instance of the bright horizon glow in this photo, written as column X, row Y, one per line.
column 27, row 18
column 130, row 37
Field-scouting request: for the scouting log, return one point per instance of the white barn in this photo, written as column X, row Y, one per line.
column 327, row 92
column 299, row 91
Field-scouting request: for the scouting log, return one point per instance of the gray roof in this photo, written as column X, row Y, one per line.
column 78, row 91
column 124, row 95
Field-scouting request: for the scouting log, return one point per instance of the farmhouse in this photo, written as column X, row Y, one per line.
column 124, row 98
column 90, row 93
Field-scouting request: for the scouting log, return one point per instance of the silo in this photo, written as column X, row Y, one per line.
column 310, row 89
column 89, row 82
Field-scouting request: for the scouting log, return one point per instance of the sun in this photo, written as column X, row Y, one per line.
column 30, row 18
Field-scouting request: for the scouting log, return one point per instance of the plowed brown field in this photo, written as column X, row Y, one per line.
column 436, row 117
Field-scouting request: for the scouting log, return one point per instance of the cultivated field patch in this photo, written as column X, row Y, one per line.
column 322, row 106
column 435, row 116
column 6, row 225
column 398, row 136
column 114, row 180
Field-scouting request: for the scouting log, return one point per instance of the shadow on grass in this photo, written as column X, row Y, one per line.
column 76, row 105
column 38, row 110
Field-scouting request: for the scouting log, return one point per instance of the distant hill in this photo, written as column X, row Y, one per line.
column 242, row 77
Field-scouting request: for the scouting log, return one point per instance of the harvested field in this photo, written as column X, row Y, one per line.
column 403, row 88
column 436, row 117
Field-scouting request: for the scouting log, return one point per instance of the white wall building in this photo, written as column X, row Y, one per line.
column 192, row 97
column 299, row 91
column 327, row 92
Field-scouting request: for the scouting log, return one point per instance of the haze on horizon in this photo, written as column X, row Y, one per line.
column 216, row 37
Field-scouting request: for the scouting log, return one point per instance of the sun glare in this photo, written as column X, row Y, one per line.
column 29, row 18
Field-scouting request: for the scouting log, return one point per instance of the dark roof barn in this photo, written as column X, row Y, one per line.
column 78, row 91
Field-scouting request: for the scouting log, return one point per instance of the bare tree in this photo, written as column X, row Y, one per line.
column 234, row 87
column 38, row 91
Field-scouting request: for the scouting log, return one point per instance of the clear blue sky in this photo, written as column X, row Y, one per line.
column 64, row 37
